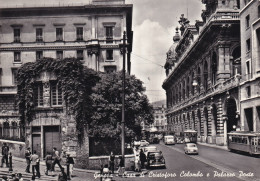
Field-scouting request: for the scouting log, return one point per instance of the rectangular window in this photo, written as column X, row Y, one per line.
column 17, row 57
column 17, row 35
column 248, row 45
column 38, row 95
column 59, row 34
column 110, row 69
column 56, row 95
column 109, row 55
column 39, row 55
column 59, row 55
column 248, row 68
column 109, row 34
column 79, row 33
column 247, row 21
column 248, row 91
column 80, row 55
column 39, row 37
column 14, row 76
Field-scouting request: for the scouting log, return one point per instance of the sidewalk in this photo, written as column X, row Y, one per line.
column 19, row 165
column 213, row 146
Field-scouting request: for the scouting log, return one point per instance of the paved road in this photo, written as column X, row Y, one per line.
column 181, row 167
column 211, row 161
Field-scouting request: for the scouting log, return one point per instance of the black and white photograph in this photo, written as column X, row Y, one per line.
column 129, row 90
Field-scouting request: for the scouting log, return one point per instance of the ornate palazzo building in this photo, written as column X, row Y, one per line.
column 93, row 33
column 203, row 71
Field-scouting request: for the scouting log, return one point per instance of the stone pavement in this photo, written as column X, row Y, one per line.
column 19, row 166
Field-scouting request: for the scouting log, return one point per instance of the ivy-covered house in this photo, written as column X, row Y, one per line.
column 54, row 104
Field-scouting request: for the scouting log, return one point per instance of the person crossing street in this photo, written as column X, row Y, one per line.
column 5, row 151
column 28, row 160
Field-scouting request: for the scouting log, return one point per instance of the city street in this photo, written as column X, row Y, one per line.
column 209, row 162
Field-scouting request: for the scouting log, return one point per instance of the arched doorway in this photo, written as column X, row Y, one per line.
column 214, row 119
column 206, row 121
column 231, row 114
column 235, row 63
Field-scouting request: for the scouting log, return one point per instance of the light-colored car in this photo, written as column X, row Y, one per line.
column 149, row 149
column 141, row 143
column 144, row 143
column 191, row 148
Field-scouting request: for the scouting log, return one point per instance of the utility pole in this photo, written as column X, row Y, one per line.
column 123, row 100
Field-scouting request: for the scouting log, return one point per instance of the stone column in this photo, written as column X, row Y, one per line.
column 220, row 123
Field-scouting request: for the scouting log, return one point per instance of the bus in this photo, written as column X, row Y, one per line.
column 190, row 136
column 248, row 142
column 169, row 139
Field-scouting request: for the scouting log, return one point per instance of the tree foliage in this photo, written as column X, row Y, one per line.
column 107, row 103
column 75, row 80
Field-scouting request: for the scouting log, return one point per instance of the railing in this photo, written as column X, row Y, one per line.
column 8, row 89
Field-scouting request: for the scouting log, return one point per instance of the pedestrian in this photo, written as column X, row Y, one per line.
column 137, row 160
column 56, row 159
column 35, row 164
column 112, row 162
column 121, row 168
column 70, row 164
column 28, row 160
column 5, row 150
column 48, row 162
column 142, row 158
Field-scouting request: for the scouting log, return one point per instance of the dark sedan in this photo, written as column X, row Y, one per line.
column 155, row 159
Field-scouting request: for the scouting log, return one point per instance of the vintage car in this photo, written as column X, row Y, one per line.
column 149, row 149
column 155, row 159
column 191, row 148
column 141, row 143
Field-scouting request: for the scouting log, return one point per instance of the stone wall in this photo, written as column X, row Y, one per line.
column 96, row 162
column 7, row 102
column 15, row 147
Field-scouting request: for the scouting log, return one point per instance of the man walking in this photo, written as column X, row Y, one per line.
column 112, row 162
column 35, row 164
column 57, row 159
column 5, row 150
column 28, row 160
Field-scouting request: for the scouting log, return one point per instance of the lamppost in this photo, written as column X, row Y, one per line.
column 123, row 101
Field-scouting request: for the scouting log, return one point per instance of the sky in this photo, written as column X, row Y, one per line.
column 154, row 23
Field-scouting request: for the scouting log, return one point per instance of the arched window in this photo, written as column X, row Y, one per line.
column 15, row 131
column 6, row 133
column 205, row 75
column 199, row 79
column 188, row 87
column 192, row 87
column 235, row 64
column 214, row 68
column 183, row 90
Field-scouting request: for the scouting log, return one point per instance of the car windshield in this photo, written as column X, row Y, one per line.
column 191, row 145
column 150, row 149
column 155, row 155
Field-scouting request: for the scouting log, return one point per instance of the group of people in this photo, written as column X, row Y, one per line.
column 140, row 159
column 50, row 160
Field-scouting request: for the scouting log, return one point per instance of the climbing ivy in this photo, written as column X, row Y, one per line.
column 76, row 82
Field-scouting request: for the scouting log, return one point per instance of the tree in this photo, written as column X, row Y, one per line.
column 107, row 106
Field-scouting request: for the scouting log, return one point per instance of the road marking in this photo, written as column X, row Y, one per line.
column 219, row 167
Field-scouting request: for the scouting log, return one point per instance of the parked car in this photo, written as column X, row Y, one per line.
column 144, row 143
column 155, row 140
column 191, row 148
column 155, row 159
column 141, row 143
column 149, row 149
